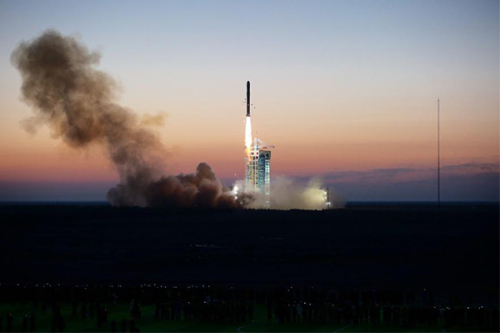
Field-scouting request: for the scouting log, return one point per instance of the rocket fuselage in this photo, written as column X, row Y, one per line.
column 248, row 98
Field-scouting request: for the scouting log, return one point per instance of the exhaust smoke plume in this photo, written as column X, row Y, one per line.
column 75, row 100
column 287, row 194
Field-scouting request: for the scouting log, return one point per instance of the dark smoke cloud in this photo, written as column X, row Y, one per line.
column 75, row 100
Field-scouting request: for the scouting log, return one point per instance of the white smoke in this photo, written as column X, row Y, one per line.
column 288, row 194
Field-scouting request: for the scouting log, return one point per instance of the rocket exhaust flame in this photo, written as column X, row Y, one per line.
column 248, row 137
column 76, row 101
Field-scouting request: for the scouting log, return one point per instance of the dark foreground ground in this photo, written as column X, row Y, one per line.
column 413, row 251
column 417, row 246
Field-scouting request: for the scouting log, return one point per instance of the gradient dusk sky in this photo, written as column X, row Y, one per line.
column 346, row 90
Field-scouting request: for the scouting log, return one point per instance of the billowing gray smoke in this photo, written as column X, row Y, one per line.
column 75, row 100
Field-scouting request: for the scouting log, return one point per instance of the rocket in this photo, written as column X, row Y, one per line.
column 248, row 98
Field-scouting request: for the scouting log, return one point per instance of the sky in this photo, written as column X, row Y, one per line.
column 345, row 90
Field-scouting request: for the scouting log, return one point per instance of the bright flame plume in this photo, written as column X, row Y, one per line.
column 248, row 137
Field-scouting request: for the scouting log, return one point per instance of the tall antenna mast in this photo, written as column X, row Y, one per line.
column 438, row 162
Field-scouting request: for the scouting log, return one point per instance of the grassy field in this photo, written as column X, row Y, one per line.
column 148, row 324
